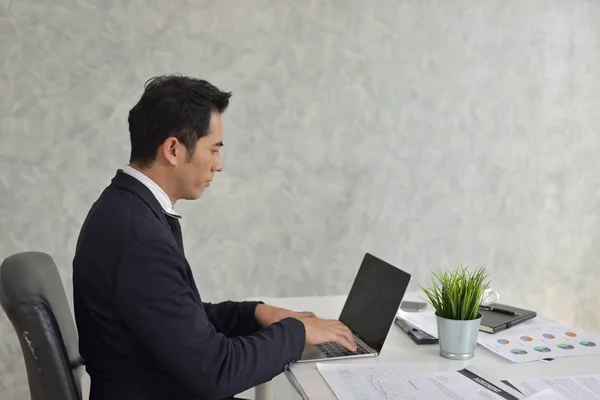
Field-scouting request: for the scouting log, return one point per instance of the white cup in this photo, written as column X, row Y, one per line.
column 490, row 297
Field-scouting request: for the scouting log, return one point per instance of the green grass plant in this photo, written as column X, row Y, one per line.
column 457, row 294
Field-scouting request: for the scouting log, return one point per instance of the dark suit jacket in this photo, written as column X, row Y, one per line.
column 144, row 331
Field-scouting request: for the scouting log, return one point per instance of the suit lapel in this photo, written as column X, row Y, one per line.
column 129, row 183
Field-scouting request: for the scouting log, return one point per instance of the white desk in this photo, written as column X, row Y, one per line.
column 400, row 348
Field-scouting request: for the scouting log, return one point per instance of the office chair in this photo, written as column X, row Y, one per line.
column 34, row 299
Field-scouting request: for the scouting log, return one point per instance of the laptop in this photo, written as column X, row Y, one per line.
column 369, row 311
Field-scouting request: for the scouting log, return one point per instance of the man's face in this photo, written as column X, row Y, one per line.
column 196, row 174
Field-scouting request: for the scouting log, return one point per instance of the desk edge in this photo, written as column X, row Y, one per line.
column 295, row 384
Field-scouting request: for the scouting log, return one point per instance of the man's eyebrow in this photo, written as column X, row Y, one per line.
column 218, row 144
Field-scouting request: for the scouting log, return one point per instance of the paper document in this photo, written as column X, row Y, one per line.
column 523, row 344
column 584, row 387
column 399, row 382
column 547, row 394
column 367, row 381
column 425, row 320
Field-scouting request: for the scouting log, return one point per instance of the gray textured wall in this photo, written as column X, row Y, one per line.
column 428, row 132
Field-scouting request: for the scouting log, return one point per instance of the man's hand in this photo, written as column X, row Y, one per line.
column 266, row 315
column 320, row 330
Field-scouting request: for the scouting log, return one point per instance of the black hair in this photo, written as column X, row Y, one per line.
column 172, row 105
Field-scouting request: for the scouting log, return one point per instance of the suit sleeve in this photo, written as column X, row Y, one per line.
column 155, row 301
column 233, row 318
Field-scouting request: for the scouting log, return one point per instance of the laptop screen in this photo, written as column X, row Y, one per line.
column 374, row 300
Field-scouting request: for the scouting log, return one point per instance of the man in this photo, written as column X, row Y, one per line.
column 145, row 332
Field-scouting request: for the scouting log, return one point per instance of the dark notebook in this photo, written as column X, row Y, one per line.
column 499, row 317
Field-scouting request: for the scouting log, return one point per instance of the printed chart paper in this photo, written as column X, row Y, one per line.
column 368, row 381
column 525, row 345
column 399, row 382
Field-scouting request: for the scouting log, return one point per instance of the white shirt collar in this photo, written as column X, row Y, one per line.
column 156, row 190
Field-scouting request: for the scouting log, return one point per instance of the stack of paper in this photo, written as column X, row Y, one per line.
column 401, row 381
column 586, row 387
column 425, row 321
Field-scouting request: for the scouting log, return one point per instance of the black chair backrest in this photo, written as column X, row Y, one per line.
column 34, row 299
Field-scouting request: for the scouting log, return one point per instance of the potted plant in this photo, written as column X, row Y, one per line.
column 456, row 297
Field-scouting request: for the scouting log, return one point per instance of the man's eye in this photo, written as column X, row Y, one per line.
column 214, row 151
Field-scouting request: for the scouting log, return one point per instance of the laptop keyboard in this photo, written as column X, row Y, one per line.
column 331, row 349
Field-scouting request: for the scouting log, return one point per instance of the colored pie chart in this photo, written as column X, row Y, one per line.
column 566, row 346
column 542, row 349
column 526, row 338
column 549, row 336
column 587, row 343
column 571, row 334
column 503, row 341
column 519, row 352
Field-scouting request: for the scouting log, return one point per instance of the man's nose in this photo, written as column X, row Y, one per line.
column 218, row 166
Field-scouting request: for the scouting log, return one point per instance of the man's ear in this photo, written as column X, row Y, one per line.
column 169, row 150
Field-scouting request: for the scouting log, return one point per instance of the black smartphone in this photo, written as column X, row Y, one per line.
column 413, row 306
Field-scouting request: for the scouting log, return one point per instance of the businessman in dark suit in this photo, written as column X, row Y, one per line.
column 145, row 332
